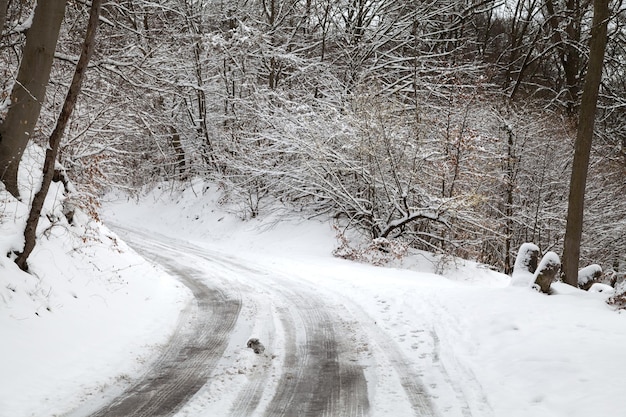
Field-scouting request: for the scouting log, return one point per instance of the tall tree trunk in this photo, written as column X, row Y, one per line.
column 567, row 43
column 509, row 175
column 584, row 136
column 29, row 89
column 55, row 138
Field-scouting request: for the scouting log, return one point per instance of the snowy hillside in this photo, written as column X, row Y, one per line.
column 90, row 313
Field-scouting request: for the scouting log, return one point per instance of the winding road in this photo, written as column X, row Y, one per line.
column 324, row 356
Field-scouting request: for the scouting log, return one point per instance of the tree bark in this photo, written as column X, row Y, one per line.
column 582, row 149
column 180, row 153
column 4, row 4
column 509, row 175
column 55, row 138
column 29, row 90
column 567, row 41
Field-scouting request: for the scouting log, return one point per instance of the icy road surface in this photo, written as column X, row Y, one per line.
column 324, row 355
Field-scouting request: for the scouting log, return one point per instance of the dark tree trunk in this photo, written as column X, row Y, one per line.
column 3, row 14
column 55, row 138
column 180, row 153
column 29, row 89
column 584, row 136
column 509, row 175
column 567, row 43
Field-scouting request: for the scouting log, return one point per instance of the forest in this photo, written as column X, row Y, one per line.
column 444, row 125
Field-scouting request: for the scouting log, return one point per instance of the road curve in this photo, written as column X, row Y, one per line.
column 199, row 341
column 320, row 373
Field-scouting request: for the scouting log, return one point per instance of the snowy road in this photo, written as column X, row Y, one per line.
column 199, row 341
column 325, row 356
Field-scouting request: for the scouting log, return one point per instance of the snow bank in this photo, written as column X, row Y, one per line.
column 589, row 274
column 201, row 211
column 525, row 265
column 88, row 315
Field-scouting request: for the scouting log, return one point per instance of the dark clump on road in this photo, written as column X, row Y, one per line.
column 256, row 346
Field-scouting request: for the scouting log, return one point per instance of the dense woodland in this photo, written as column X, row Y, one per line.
column 448, row 125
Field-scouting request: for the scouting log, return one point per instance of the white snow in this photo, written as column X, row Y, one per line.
column 588, row 273
column 599, row 287
column 550, row 258
column 26, row 24
column 482, row 346
column 522, row 276
column 88, row 317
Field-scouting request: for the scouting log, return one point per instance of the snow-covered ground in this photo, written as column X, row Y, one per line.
column 481, row 346
column 90, row 315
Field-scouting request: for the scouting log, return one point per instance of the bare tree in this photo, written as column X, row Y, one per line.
column 586, row 122
column 385, row 114
column 30, row 231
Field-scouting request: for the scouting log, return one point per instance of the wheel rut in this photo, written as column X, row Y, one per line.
column 316, row 379
column 320, row 371
column 192, row 353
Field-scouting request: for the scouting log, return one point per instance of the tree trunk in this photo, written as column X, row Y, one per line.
column 180, row 153
column 4, row 4
column 55, row 138
column 584, row 136
column 29, row 89
column 509, row 175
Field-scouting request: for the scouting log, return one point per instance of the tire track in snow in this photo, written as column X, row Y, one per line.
column 315, row 381
column 457, row 375
column 192, row 353
column 415, row 391
column 325, row 384
column 456, row 388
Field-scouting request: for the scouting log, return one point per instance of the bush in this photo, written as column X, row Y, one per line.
column 378, row 251
column 619, row 299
